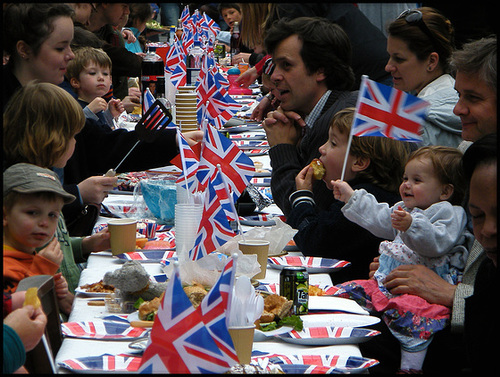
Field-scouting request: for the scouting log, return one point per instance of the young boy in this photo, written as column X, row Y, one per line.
column 89, row 74
column 32, row 201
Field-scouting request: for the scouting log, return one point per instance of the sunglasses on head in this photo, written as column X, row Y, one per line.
column 414, row 17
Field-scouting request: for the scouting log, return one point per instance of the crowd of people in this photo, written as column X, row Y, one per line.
column 417, row 221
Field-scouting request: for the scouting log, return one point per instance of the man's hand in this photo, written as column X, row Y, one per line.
column 420, row 281
column 283, row 127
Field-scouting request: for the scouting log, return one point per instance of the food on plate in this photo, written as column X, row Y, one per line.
column 31, row 298
column 133, row 282
column 277, row 313
column 314, row 290
column 253, row 369
column 140, row 242
column 196, row 293
column 159, row 244
column 98, row 287
column 148, row 309
column 319, row 169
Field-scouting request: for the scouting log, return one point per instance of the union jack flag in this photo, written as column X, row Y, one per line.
column 235, row 165
column 174, row 56
column 149, row 99
column 179, row 75
column 180, row 343
column 209, row 27
column 213, row 100
column 103, row 363
column 214, row 307
column 214, row 230
column 389, row 112
column 185, row 15
column 190, row 162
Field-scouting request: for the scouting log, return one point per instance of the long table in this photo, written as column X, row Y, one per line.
column 99, row 263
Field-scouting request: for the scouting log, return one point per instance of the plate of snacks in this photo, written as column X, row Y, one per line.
column 98, row 289
column 312, row 264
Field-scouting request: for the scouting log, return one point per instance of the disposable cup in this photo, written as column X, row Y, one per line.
column 123, row 235
column 187, row 221
column 243, row 342
column 261, row 249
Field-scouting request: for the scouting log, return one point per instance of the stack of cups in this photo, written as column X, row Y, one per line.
column 187, row 221
column 185, row 109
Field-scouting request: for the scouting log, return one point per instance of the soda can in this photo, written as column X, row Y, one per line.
column 294, row 285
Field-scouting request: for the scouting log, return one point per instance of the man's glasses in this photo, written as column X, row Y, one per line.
column 414, row 17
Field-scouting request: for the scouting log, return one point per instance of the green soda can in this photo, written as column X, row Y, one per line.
column 294, row 285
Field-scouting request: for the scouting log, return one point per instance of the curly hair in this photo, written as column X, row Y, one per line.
column 387, row 156
column 38, row 122
column 325, row 45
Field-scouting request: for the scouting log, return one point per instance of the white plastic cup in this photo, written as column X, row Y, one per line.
column 187, row 222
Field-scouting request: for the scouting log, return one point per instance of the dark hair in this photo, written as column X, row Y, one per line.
column 31, row 23
column 139, row 11
column 419, row 42
column 223, row 6
column 325, row 46
column 481, row 152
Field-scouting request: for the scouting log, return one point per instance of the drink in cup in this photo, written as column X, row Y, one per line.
column 123, row 235
column 259, row 248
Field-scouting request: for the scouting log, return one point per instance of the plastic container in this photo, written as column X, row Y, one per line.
column 152, row 75
column 193, row 63
column 235, row 89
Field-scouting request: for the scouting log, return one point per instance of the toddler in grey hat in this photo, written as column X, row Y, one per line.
column 30, row 179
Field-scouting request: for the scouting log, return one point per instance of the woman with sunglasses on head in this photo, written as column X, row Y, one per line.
column 419, row 44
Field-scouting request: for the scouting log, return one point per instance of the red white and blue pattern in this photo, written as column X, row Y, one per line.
column 174, row 56
column 102, row 330
column 157, row 117
column 103, row 363
column 153, row 255
column 385, row 111
column 308, row 262
column 214, row 307
column 149, row 99
column 328, row 333
column 180, row 343
column 190, row 162
column 238, row 169
column 213, row 101
column 305, row 364
column 214, row 230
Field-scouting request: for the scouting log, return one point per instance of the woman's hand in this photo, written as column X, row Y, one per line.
column 95, row 189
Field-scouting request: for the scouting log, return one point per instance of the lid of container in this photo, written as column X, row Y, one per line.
column 233, row 71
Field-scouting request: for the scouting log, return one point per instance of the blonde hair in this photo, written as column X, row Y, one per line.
column 84, row 56
column 254, row 16
column 38, row 122
column 447, row 164
column 387, row 156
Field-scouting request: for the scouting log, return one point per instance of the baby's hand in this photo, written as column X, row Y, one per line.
column 52, row 252
column 401, row 219
column 97, row 105
column 303, row 180
column 116, row 107
column 61, row 286
column 341, row 190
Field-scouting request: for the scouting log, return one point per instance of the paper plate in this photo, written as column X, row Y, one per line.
column 102, row 330
column 147, row 255
column 312, row 264
column 338, row 320
column 305, row 364
column 327, row 336
column 106, row 363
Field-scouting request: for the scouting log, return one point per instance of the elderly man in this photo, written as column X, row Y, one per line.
column 476, row 77
column 313, row 79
